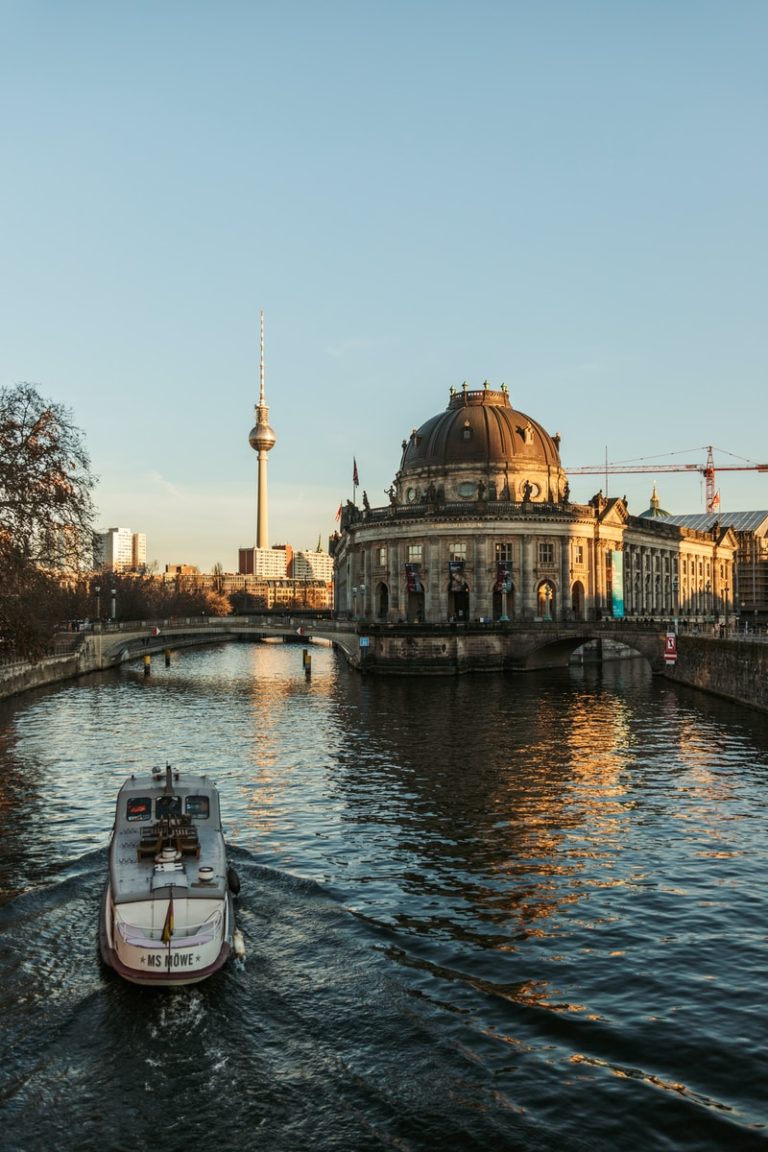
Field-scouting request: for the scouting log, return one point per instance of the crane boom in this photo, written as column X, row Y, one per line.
column 707, row 471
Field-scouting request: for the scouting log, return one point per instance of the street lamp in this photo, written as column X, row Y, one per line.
column 725, row 605
column 113, row 613
column 97, row 590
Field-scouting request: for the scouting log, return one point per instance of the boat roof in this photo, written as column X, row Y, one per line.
column 154, row 811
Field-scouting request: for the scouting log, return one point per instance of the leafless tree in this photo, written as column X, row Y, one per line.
column 46, row 511
column 46, row 515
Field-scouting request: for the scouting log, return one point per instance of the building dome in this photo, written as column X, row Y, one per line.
column 481, row 445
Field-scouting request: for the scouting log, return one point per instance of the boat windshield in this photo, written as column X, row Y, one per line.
column 199, row 807
column 167, row 807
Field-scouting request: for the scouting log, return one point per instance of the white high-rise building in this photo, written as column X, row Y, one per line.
column 271, row 563
column 312, row 566
column 120, row 549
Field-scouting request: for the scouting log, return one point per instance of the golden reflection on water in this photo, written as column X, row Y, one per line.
column 277, row 687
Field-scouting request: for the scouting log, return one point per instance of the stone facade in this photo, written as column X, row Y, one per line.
column 480, row 527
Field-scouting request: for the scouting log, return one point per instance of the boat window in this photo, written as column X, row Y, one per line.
column 138, row 808
column 199, row 807
column 167, row 807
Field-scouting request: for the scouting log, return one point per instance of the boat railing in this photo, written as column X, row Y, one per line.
column 182, row 937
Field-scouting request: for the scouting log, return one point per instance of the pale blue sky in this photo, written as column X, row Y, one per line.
column 569, row 197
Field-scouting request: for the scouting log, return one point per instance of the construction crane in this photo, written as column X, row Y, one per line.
column 707, row 471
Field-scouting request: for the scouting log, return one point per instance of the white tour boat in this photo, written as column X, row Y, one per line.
column 167, row 916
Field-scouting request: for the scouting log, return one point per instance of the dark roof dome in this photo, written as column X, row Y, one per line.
column 480, row 448
column 480, row 427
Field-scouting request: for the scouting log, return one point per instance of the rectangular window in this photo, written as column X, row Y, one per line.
column 578, row 553
column 458, row 552
column 546, row 553
column 414, row 553
column 199, row 807
column 503, row 553
column 382, row 557
column 139, row 808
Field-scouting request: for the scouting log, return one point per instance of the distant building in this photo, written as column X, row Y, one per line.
column 181, row 570
column 312, row 566
column 120, row 549
column 270, row 563
column 251, row 593
column 750, row 575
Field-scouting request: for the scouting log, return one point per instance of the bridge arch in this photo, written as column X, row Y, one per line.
column 553, row 651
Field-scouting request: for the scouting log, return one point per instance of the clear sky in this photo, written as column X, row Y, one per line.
column 566, row 196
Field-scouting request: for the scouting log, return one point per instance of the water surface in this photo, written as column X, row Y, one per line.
column 519, row 912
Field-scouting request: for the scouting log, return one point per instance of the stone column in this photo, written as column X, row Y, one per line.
column 434, row 595
column 526, row 578
column 564, row 607
column 396, row 574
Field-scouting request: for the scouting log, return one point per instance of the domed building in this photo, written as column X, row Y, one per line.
column 480, row 527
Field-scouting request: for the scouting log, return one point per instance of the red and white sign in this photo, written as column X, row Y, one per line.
column 670, row 648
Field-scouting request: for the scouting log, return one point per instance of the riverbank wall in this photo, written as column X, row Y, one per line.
column 735, row 669
column 80, row 656
column 22, row 676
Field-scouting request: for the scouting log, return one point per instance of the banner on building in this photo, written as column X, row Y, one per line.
column 456, row 581
column 617, row 584
column 503, row 577
column 413, row 577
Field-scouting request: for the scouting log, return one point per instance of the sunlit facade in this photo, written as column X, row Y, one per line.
column 480, row 526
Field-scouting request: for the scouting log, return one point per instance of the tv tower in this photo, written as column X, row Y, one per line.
column 261, row 438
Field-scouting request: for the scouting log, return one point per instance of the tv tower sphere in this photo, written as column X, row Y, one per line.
column 261, row 437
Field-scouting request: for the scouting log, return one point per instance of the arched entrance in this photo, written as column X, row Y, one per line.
column 458, row 603
column 382, row 601
column 577, row 600
column 545, row 600
column 415, row 607
column 458, row 592
column 414, row 596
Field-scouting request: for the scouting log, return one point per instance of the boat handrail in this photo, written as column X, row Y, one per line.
column 141, row 936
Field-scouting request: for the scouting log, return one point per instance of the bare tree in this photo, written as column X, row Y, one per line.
column 46, row 511
column 46, row 515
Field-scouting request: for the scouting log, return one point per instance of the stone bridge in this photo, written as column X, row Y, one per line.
column 400, row 649
column 518, row 647
column 732, row 665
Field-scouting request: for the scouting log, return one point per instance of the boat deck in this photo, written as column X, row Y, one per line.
column 187, row 822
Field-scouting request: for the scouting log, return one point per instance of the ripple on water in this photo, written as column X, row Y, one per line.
column 519, row 912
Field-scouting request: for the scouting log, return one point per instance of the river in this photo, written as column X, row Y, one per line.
column 491, row 912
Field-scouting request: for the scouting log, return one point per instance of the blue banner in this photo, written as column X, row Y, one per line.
column 617, row 584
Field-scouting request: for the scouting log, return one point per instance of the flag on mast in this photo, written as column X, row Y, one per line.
column 338, row 513
column 716, row 501
column 168, row 925
column 355, row 477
